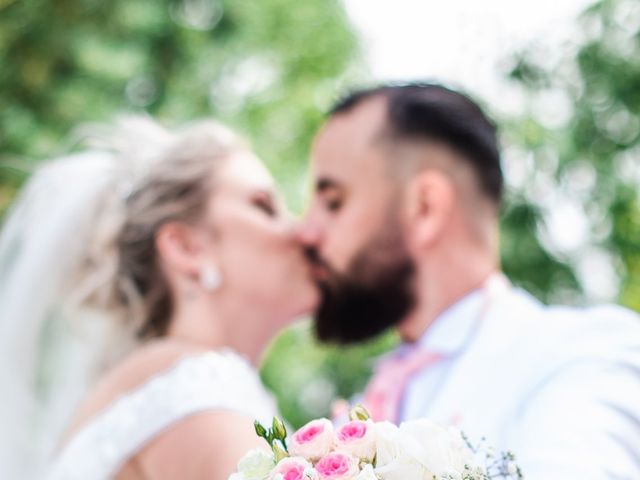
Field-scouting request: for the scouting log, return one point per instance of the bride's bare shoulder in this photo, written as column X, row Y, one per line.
column 134, row 370
column 206, row 444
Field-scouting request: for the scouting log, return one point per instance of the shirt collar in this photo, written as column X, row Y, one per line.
column 451, row 330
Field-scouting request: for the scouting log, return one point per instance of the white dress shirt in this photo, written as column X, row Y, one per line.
column 558, row 386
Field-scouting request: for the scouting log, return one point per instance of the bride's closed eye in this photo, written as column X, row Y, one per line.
column 266, row 203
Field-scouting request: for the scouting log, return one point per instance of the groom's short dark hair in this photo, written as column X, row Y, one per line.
column 432, row 112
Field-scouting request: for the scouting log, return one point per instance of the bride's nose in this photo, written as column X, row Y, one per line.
column 307, row 233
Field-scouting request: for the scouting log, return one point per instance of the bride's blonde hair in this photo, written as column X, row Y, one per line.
column 82, row 233
column 163, row 176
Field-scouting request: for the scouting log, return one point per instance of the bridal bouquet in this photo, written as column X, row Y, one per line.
column 365, row 450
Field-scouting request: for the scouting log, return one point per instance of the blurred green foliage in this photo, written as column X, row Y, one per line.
column 308, row 376
column 269, row 68
column 266, row 67
column 589, row 147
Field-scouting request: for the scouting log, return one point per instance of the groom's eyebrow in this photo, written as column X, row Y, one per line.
column 324, row 184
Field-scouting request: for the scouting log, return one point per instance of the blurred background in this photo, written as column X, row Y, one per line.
column 561, row 77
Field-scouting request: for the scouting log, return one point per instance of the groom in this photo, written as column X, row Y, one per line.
column 403, row 231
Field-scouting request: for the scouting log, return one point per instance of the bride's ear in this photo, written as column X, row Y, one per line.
column 180, row 248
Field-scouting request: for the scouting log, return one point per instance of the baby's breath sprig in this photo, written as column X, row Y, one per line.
column 498, row 465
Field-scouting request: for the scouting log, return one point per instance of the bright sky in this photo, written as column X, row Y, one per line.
column 463, row 42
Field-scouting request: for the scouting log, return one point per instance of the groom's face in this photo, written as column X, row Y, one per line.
column 353, row 230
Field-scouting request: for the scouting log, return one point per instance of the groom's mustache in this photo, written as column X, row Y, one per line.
column 313, row 256
column 322, row 269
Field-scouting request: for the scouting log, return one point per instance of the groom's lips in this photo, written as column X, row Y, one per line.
column 319, row 272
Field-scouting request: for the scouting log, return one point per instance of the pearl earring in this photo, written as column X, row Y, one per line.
column 210, row 278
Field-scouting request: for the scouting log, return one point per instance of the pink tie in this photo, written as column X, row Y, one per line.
column 386, row 389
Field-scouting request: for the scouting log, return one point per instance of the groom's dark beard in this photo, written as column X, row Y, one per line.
column 373, row 296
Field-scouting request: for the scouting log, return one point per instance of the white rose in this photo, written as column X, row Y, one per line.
column 255, row 465
column 367, row 473
column 440, row 450
column 388, row 445
column 393, row 459
column 312, row 441
column 404, row 469
column 358, row 438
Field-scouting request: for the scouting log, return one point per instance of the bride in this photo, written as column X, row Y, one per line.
column 140, row 282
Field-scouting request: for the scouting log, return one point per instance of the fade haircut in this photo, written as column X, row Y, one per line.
column 432, row 112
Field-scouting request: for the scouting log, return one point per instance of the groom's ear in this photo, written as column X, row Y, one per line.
column 429, row 203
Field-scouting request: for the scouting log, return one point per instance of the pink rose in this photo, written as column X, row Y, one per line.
column 292, row 468
column 337, row 466
column 358, row 439
column 312, row 441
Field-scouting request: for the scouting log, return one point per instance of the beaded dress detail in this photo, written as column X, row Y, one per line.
column 209, row 381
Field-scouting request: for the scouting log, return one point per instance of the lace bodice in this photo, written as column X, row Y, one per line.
column 213, row 380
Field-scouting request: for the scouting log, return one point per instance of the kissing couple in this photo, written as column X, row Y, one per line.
column 142, row 279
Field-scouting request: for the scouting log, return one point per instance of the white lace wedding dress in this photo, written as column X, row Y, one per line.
column 213, row 380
